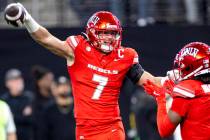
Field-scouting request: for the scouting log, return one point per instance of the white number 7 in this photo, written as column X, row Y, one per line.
column 102, row 83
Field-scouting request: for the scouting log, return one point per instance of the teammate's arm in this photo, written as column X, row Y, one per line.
column 139, row 76
column 147, row 76
column 166, row 121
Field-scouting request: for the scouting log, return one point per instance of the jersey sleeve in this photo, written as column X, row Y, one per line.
column 10, row 125
column 135, row 58
column 184, row 89
column 180, row 105
column 135, row 72
column 73, row 41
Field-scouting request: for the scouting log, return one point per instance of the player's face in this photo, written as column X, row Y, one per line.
column 107, row 39
column 107, row 36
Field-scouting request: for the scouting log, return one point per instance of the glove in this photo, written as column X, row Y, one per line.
column 169, row 86
column 26, row 13
column 173, row 74
column 154, row 90
column 15, row 14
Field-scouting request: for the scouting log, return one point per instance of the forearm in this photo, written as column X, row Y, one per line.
column 159, row 81
column 147, row 76
column 46, row 39
column 165, row 126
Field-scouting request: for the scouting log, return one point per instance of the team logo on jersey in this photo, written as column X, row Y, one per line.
column 102, row 70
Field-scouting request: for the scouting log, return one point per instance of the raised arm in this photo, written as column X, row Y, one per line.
column 17, row 15
column 50, row 42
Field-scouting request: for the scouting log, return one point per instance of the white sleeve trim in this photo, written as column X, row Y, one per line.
column 74, row 42
column 183, row 92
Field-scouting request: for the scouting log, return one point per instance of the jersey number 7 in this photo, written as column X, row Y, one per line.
column 102, row 81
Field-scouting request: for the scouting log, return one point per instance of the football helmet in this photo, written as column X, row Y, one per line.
column 192, row 60
column 104, row 31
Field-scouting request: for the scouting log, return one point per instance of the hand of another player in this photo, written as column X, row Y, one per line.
column 153, row 89
column 169, row 86
column 173, row 74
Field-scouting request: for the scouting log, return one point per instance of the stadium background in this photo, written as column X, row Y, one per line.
column 156, row 43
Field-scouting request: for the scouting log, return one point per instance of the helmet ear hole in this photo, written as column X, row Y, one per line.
column 188, row 68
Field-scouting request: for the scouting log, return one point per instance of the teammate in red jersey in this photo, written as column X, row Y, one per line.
column 97, row 65
column 191, row 96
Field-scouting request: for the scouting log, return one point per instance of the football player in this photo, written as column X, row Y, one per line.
column 191, row 96
column 97, row 65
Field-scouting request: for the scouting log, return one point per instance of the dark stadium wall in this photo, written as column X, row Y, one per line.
column 156, row 45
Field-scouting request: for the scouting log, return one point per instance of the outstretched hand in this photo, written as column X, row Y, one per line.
column 153, row 89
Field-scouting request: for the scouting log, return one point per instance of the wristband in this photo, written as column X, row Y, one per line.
column 31, row 25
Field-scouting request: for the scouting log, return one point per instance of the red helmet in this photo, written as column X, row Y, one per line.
column 104, row 22
column 192, row 60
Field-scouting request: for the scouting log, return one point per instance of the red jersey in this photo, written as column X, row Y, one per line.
column 96, row 80
column 194, row 107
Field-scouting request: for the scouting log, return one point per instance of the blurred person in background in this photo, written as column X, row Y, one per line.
column 97, row 65
column 58, row 119
column 7, row 125
column 191, row 95
column 193, row 12
column 43, row 83
column 20, row 102
column 146, row 12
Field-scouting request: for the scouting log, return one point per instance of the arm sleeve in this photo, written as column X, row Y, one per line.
column 165, row 126
column 10, row 126
column 73, row 41
column 135, row 73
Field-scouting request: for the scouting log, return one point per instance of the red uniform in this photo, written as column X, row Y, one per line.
column 194, row 107
column 96, row 81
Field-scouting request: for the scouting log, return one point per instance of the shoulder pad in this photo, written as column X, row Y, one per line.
column 74, row 40
column 133, row 55
column 184, row 89
column 187, row 89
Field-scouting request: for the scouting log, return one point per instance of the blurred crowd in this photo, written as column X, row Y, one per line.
column 46, row 111
column 75, row 13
